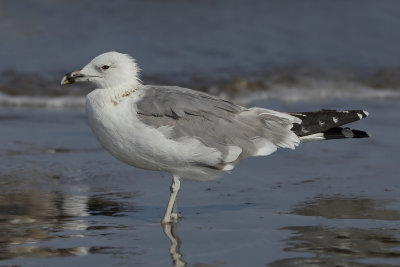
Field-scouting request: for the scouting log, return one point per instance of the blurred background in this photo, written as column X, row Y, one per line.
column 234, row 48
column 65, row 201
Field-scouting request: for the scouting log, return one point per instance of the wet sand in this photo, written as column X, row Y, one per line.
column 65, row 201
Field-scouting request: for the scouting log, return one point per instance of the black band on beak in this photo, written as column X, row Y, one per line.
column 71, row 76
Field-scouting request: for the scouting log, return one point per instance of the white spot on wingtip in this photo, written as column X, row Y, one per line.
column 348, row 133
column 345, row 111
column 335, row 120
column 366, row 113
column 360, row 115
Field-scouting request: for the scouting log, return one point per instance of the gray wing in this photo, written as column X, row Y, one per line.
column 215, row 122
column 176, row 102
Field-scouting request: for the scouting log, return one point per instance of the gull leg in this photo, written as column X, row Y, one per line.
column 171, row 213
column 175, row 216
column 174, row 212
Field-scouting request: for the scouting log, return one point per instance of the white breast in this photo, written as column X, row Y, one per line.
column 120, row 132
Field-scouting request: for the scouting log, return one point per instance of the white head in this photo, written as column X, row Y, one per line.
column 111, row 70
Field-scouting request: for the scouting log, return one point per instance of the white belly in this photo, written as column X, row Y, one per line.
column 120, row 132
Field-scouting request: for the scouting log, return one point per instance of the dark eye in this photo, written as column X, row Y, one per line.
column 104, row 67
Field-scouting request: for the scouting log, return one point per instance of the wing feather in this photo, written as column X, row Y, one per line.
column 181, row 112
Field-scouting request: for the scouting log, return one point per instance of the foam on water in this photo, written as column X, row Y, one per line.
column 243, row 93
column 42, row 101
column 313, row 90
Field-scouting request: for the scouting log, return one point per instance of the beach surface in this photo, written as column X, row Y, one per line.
column 65, row 201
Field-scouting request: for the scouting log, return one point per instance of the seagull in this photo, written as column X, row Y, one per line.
column 190, row 134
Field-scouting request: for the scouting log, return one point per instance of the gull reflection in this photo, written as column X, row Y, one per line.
column 171, row 232
column 27, row 218
column 30, row 219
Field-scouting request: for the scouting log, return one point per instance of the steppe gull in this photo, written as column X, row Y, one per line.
column 190, row 134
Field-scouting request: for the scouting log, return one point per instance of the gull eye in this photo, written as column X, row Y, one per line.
column 104, row 67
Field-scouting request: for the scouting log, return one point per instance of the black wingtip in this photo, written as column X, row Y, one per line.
column 339, row 133
column 360, row 134
column 327, row 120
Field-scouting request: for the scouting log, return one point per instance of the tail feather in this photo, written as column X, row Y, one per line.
column 325, row 124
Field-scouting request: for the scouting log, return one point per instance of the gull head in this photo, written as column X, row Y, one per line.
column 111, row 70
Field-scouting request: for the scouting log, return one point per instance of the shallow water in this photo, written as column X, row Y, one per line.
column 65, row 201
